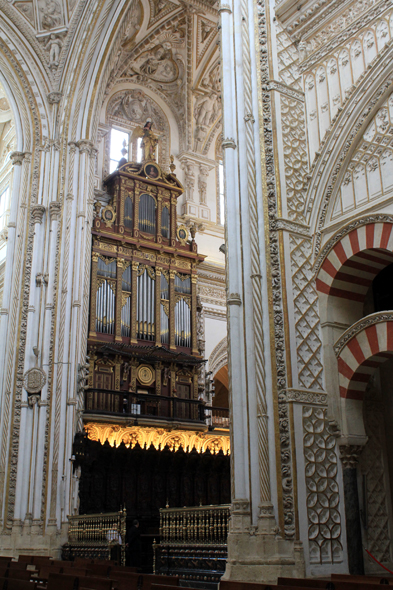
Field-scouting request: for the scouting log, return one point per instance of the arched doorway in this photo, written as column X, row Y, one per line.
column 355, row 279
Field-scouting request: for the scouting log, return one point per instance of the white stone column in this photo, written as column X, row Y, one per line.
column 256, row 550
column 17, row 160
column 26, row 425
column 46, row 355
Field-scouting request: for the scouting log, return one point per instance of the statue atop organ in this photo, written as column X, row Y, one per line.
column 142, row 344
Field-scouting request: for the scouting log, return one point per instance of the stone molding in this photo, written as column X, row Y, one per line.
column 292, row 227
column 349, row 32
column 284, row 89
column 303, row 396
column 276, row 304
column 234, row 299
column 219, row 356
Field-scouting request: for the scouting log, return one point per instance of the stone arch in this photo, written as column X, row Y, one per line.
column 219, row 356
column 360, row 351
column 344, row 273
column 131, row 107
column 342, row 138
column 351, row 263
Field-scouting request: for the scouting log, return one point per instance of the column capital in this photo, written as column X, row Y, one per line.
column 349, row 455
column 17, row 158
column 54, row 210
column 37, row 213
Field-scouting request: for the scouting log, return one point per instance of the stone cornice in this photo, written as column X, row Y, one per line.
column 285, row 89
column 302, row 396
column 292, row 227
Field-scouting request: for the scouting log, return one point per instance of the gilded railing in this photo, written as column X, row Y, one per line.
column 106, row 530
column 198, row 525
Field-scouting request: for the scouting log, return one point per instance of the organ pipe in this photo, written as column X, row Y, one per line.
column 182, row 323
column 145, row 306
column 128, row 213
column 182, row 283
column 147, row 214
column 105, row 308
column 106, row 298
column 165, row 222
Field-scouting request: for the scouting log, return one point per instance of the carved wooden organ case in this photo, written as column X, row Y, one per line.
column 142, row 340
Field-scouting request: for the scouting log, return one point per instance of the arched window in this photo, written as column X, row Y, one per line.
column 128, row 213
column 165, row 222
column 118, row 148
column 147, row 214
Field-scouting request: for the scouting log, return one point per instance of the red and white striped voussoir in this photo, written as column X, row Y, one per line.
column 361, row 356
column 352, row 264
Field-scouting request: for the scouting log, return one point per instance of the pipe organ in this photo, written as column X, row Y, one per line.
column 142, row 343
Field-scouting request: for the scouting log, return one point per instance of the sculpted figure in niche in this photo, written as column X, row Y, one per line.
column 149, row 140
column 205, row 113
column 54, row 45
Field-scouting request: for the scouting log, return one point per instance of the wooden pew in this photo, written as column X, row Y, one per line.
column 95, row 583
column 349, row 584
column 21, row 585
column 235, row 585
column 74, row 571
column 362, row 579
column 15, row 574
column 96, row 570
column 62, row 582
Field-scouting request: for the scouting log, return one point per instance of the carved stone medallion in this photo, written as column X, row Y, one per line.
column 34, row 380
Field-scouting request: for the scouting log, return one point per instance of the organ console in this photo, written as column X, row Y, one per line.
column 142, row 343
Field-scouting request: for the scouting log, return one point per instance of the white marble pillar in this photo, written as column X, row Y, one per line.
column 27, row 418
column 256, row 549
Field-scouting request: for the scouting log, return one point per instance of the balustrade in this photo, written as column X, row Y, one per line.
column 143, row 405
column 94, row 535
column 197, row 525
